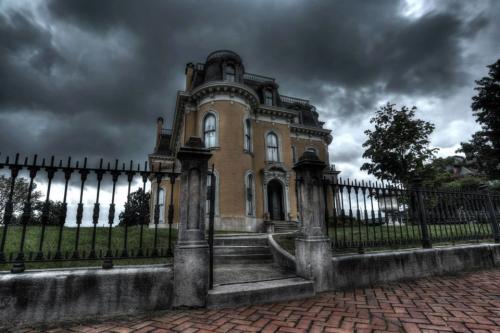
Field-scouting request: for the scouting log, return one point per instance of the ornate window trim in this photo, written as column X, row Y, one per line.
column 217, row 127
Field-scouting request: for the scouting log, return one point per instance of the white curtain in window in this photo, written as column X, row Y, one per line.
column 272, row 147
column 210, row 131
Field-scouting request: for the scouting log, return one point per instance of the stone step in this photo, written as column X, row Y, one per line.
column 243, row 259
column 241, row 240
column 241, row 250
column 277, row 290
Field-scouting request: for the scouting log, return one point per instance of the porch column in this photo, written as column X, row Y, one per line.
column 191, row 258
column 312, row 247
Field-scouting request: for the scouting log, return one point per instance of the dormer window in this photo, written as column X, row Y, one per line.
column 268, row 97
column 230, row 73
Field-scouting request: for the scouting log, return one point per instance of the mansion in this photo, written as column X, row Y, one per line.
column 255, row 135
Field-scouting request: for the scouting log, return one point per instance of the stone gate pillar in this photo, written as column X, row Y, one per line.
column 312, row 247
column 191, row 258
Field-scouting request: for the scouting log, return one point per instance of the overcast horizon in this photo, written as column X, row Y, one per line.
column 89, row 78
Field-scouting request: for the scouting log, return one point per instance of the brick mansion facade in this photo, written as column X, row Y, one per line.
column 255, row 135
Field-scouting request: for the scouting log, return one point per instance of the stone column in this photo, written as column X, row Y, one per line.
column 312, row 247
column 191, row 258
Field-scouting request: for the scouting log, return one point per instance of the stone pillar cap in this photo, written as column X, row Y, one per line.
column 309, row 160
column 194, row 148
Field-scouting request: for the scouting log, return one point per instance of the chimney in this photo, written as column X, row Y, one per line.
column 189, row 75
column 159, row 127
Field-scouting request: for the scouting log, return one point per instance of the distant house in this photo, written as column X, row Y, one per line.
column 458, row 167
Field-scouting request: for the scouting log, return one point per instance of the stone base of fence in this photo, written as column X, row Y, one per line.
column 358, row 271
column 83, row 293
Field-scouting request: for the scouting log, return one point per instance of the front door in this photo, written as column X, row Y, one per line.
column 275, row 200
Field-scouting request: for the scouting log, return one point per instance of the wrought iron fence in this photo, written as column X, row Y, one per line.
column 362, row 215
column 73, row 232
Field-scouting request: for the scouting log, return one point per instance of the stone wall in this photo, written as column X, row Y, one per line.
column 59, row 295
column 356, row 271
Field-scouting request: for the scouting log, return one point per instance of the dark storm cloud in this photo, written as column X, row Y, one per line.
column 90, row 77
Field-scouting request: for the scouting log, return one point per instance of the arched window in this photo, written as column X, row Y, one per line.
column 268, row 97
column 161, row 205
column 272, row 147
column 230, row 73
column 248, row 135
column 249, row 194
column 210, row 130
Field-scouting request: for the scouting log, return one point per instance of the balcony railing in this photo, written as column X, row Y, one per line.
column 257, row 78
column 293, row 100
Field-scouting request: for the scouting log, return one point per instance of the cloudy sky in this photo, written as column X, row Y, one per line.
column 89, row 78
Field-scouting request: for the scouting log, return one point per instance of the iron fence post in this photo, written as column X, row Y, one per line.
column 211, row 214
column 419, row 211
column 491, row 213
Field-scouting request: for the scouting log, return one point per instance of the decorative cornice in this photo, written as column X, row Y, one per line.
column 277, row 111
column 235, row 88
column 322, row 132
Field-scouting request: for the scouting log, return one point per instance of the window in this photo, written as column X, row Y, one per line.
column 294, row 155
column 230, row 73
column 161, row 205
column 249, row 194
column 272, row 147
column 248, row 135
column 268, row 97
column 210, row 130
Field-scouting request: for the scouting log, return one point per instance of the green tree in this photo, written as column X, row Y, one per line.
column 137, row 205
column 484, row 147
column 20, row 194
column 398, row 146
column 56, row 211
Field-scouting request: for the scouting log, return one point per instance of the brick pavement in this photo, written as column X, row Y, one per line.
column 466, row 303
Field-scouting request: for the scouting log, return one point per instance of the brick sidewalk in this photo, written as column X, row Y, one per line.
column 468, row 303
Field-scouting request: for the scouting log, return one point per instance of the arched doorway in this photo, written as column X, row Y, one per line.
column 275, row 200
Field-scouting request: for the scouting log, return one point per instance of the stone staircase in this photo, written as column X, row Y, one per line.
column 285, row 226
column 242, row 249
column 244, row 273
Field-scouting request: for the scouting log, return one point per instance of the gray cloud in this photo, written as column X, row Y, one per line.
column 90, row 77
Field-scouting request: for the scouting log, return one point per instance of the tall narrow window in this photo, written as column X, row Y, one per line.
column 272, row 147
column 268, row 97
column 248, row 135
column 249, row 194
column 230, row 73
column 294, row 155
column 161, row 205
column 210, row 130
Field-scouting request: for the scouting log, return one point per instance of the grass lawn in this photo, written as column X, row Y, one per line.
column 32, row 242
column 376, row 238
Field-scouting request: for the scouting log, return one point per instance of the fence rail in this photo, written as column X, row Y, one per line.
column 47, row 237
column 362, row 215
